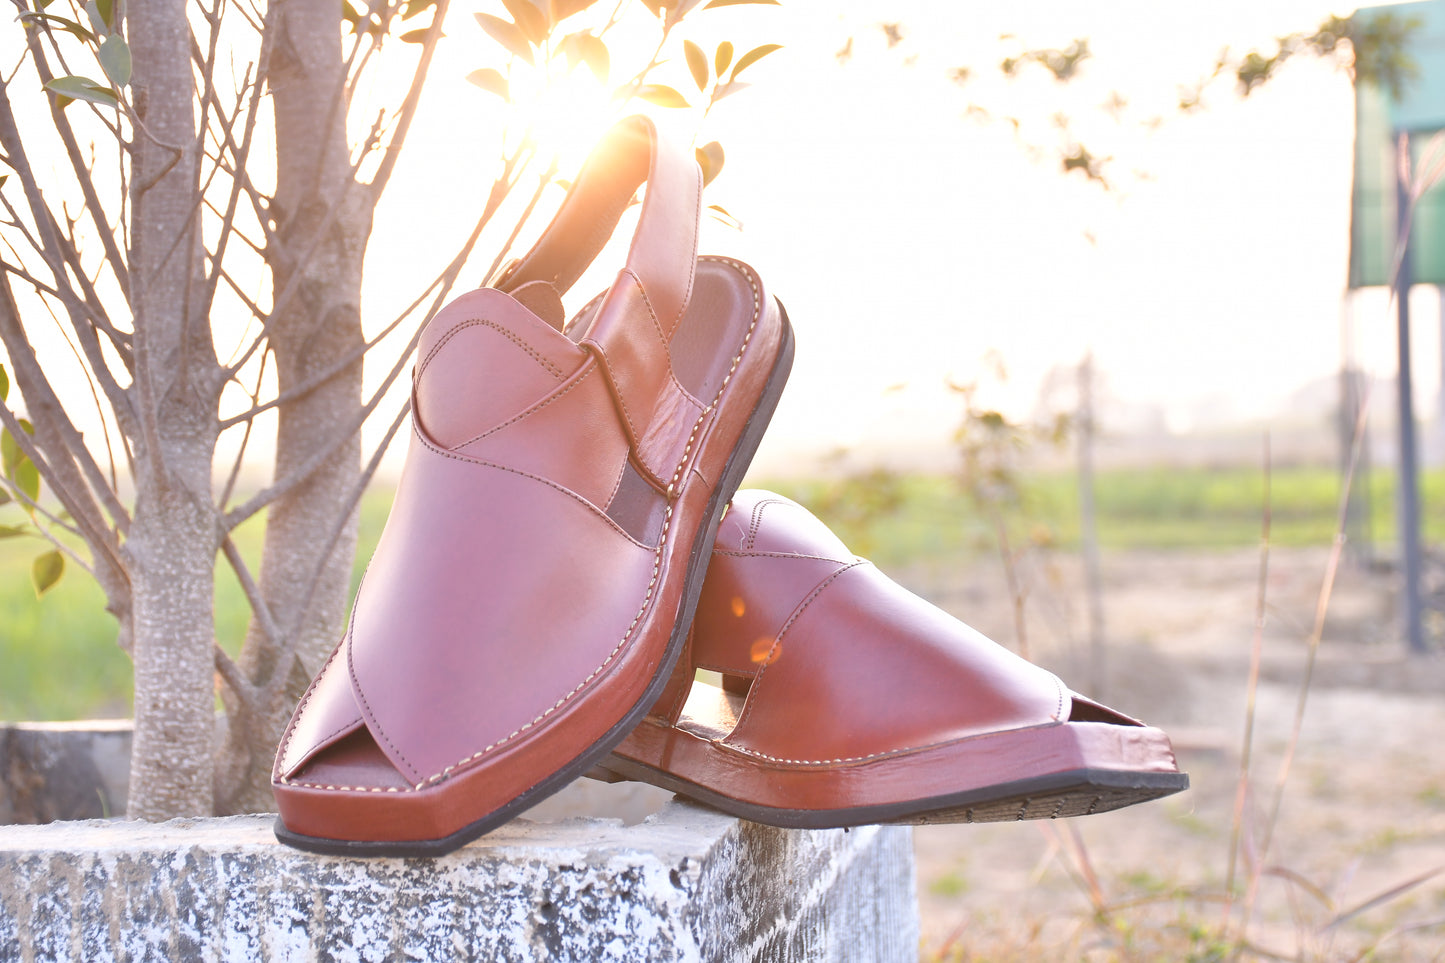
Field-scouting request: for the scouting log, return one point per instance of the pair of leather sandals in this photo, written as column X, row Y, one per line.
column 566, row 551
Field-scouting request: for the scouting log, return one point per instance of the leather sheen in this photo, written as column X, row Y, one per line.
column 863, row 701
column 554, row 511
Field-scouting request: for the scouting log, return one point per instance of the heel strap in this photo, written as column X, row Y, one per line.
column 632, row 330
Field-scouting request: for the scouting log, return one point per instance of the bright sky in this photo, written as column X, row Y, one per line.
column 907, row 239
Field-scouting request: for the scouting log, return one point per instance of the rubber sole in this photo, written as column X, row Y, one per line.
column 732, row 476
column 1078, row 792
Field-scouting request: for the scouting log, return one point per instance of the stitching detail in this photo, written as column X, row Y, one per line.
column 311, row 689
column 874, row 755
column 555, row 396
column 656, row 325
column 737, row 359
column 376, row 731
column 456, row 329
column 758, row 519
column 443, row 774
column 691, row 275
column 734, row 553
column 537, row 478
column 778, row 639
column 646, row 601
column 305, row 700
column 657, row 552
column 590, row 306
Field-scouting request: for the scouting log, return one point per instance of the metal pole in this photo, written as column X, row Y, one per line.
column 1408, row 510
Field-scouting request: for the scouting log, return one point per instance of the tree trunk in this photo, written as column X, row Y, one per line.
column 316, row 197
column 172, row 543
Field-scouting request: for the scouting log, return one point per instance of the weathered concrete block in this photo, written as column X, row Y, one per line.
column 63, row 770
column 687, row 884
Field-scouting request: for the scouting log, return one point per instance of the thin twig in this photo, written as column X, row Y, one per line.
column 1241, row 795
column 1316, row 634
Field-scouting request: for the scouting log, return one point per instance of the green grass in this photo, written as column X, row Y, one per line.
column 1156, row 508
column 59, row 660
column 58, row 654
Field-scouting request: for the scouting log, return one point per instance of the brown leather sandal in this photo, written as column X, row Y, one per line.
column 847, row 700
column 552, row 526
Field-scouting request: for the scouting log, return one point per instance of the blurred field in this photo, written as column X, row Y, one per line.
column 1364, row 805
column 61, row 662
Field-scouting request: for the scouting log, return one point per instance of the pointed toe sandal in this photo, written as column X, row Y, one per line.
column 847, row 700
column 533, row 586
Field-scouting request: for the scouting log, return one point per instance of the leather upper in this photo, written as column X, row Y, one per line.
column 544, row 523
column 821, row 634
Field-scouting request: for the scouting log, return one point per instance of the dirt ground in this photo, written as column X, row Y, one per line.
column 1362, row 811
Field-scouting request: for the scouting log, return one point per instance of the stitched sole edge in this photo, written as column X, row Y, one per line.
column 732, row 477
column 1076, row 792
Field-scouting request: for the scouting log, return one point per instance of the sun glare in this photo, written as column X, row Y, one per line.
column 564, row 114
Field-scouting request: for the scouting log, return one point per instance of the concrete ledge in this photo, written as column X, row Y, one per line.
column 686, row 884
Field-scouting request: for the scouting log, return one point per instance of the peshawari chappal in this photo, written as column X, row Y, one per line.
column 847, row 700
column 552, row 526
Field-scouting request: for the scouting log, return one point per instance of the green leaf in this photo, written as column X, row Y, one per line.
column 10, row 531
column 677, row 9
column 723, row 57
column 508, row 34
column 492, row 80
column 728, row 89
column 97, row 22
column 697, row 63
column 753, row 56
column 415, row 36
column 82, row 88
column 115, row 59
column 738, row 3
column 562, row 9
column 533, row 22
column 106, row 10
column 594, row 54
column 661, row 95
column 10, row 453
column 721, row 214
column 27, row 479
column 415, row 7
column 69, row 26
column 4, row 378
column 710, row 159
column 46, row 570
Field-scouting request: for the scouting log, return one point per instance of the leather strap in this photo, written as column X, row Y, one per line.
column 632, row 330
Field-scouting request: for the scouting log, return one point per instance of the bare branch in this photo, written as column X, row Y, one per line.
column 506, row 248
column 408, row 109
column 96, row 536
column 245, row 440
column 46, row 410
column 50, row 401
column 113, row 255
column 235, row 679
column 442, row 284
column 52, row 251
column 259, row 609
